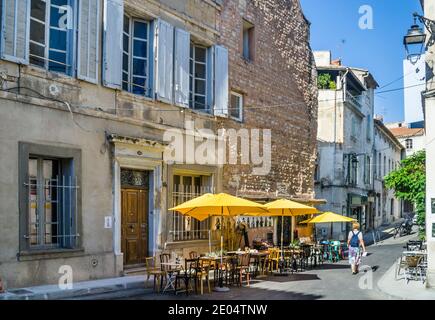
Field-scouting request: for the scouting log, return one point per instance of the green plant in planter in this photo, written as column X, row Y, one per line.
column 324, row 81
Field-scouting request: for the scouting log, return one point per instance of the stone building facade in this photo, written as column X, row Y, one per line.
column 345, row 143
column 387, row 156
column 88, row 123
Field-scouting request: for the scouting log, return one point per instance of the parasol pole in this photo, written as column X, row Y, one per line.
column 209, row 236
column 282, row 234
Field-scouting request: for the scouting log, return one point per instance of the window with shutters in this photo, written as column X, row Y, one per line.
column 198, row 78
column 135, row 66
column 51, row 35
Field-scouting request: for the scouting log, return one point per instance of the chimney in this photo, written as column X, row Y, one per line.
column 336, row 62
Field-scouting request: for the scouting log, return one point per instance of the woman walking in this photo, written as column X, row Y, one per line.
column 354, row 241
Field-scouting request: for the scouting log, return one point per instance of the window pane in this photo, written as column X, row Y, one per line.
column 200, row 54
column 54, row 57
column 139, row 86
column 125, row 81
column 140, row 30
column 59, row 2
column 58, row 39
column 200, row 70
column 200, row 103
column 37, row 32
column 140, row 48
column 126, row 43
column 38, row 9
column 126, row 24
column 139, row 67
column 187, row 181
column 125, row 62
column 59, row 17
column 235, row 106
column 200, row 87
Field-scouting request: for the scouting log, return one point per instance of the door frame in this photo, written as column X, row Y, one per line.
column 154, row 208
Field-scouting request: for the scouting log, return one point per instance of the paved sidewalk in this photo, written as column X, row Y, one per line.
column 380, row 234
column 80, row 289
column 399, row 289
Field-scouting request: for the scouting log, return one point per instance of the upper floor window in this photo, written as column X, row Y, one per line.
column 236, row 106
column 198, row 78
column 51, row 35
column 409, row 144
column 248, row 40
column 135, row 56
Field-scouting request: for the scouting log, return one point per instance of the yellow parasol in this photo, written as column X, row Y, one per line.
column 329, row 217
column 221, row 204
column 285, row 208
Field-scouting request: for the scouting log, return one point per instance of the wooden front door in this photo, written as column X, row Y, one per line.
column 134, row 235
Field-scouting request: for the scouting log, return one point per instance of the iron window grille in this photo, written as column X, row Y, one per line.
column 52, row 204
column 184, row 227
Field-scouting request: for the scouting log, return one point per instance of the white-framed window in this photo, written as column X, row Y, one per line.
column 51, row 42
column 198, row 78
column 135, row 64
column 236, row 106
column 409, row 144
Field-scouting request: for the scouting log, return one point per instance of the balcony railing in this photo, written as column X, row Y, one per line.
column 355, row 101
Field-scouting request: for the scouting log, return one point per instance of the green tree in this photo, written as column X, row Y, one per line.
column 409, row 183
column 324, row 81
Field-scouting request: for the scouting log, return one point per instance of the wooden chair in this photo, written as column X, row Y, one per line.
column 273, row 259
column 193, row 255
column 244, row 268
column 187, row 275
column 152, row 269
column 203, row 273
column 164, row 258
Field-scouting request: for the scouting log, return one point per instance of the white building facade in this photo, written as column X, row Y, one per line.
column 388, row 153
column 345, row 137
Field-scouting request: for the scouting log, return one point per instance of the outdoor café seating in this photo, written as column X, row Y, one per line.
column 413, row 262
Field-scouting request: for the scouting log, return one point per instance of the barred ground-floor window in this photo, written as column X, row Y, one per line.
column 49, row 198
column 184, row 188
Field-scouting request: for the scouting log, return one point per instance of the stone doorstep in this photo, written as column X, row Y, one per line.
column 53, row 292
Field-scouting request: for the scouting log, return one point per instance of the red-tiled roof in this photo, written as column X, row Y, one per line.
column 407, row 132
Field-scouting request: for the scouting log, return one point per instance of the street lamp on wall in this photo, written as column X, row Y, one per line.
column 415, row 39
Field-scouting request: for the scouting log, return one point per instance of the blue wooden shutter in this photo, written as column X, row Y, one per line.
column 88, row 40
column 15, row 28
column 210, row 79
column 221, row 96
column 182, row 65
column 112, row 43
column 165, row 61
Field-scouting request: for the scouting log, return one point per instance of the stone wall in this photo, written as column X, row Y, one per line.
column 279, row 90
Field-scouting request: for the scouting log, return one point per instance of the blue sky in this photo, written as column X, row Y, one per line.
column 335, row 27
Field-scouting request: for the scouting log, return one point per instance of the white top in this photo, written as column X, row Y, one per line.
column 355, row 231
